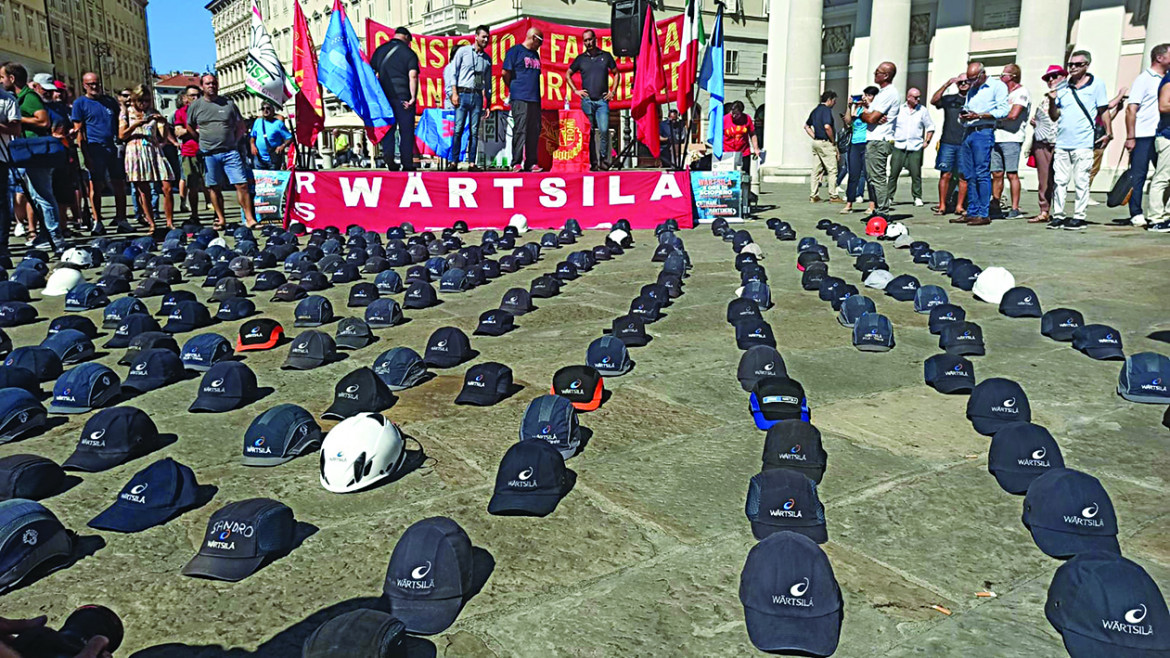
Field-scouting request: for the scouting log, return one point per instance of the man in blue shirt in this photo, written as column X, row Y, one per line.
column 987, row 102
column 1077, row 109
column 471, row 94
column 270, row 139
column 522, row 77
column 95, row 118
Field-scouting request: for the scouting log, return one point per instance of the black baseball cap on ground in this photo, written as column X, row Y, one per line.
column 353, row 334
column 279, row 435
column 420, row 294
column 749, row 334
column 962, row 338
column 996, row 402
column 949, row 373
column 152, row 369
column 581, row 385
column 313, row 311
column 1060, row 323
column 289, row 292
column 943, row 315
column 259, row 334
column 111, row 437
column 309, row 350
column 241, row 537
column 153, row 496
column 430, row 575
column 781, row 499
column 30, row 477
column 495, row 322
column 1020, row 453
column 205, row 350
column 187, row 316
column 530, row 480
column 516, row 301
column 226, row 386
column 1068, row 513
column 631, row 330
column 360, row 391
column 1020, row 302
column 795, row 444
column 758, row 362
column 790, row 597
column 362, row 632
column 485, row 384
column 447, row 347
column 235, row 308
column 1098, row 341
column 741, row 309
column 131, row 326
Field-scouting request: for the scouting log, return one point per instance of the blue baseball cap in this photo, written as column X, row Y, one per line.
column 13, row 314
column 781, row 500
column 927, row 297
column 1098, row 341
column 84, row 297
column 78, row 322
column 241, row 538
column 1061, row 323
column 447, row 347
column 171, row 299
column 1020, row 302
column 203, row 351
column 42, row 362
column 749, row 334
column 1145, row 377
column 853, row 308
column 227, row 385
column 70, row 345
column 131, row 326
column 29, row 476
column 152, row 369
column 530, row 481
column 949, row 373
column 279, row 435
column 873, row 332
column 400, row 368
column 32, row 540
column 235, row 308
column 313, row 311
column 552, row 419
column 20, row 414
column 152, row 497
column 944, row 314
column 388, row 282
column 187, row 316
column 86, row 387
column 996, row 402
column 1020, row 453
column 112, row 437
column 609, row 356
column 17, row 377
column 453, row 280
column 13, row 291
column 383, row 312
column 962, row 338
column 902, row 288
column 1106, row 605
column 1068, row 513
column 774, row 399
column 791, row 599
column 495, row 322
column 430, row 575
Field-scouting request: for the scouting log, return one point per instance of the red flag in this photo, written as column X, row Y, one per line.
column 309, row 112
column 648, row 80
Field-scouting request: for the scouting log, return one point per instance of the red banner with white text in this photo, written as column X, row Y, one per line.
column 378, row 200
column 562, row 44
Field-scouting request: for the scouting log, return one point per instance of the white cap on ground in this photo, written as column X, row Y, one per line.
column 519, row 222
column 218, row 242
column 77, row 257
column 992, row 283
column 896, row 229
column 62, row 281
column 903, row 241
column 878, row 279
column 753, row 249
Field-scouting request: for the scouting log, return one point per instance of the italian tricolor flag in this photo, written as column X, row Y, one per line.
column 688, row 61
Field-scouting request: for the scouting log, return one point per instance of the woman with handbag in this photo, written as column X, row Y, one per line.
column 144, row 131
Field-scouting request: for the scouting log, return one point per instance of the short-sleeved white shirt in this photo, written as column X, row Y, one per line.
column 9, row 113
column 888, row 101
column 1144, row 93
column 1013, row 131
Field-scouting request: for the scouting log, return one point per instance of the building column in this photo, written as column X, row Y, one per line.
column 860, row 72
column 1157, row 27
column 1046, row 24
column 889, row 38
column 794, row 42
column 950, row 49
column 1100, row 33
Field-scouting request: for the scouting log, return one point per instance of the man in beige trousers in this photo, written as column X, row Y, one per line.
column 824, row 147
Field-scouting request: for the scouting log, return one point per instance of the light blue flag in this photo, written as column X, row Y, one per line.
column 711, row 79
column 342, row 71
column 436, row 129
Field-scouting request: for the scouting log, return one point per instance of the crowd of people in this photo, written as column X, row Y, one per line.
column 62, row 155
column 982, row 143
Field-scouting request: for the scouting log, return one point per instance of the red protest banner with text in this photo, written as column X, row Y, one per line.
column 562, row 44
column 378, row 200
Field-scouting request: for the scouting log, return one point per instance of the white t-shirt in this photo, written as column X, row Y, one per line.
column 1013, row 131
column 887, row 102
column 1144, row 94
column 9, row 113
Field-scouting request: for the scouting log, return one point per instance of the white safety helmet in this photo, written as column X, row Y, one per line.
column 218, row 242
column 519, row 222
column 77, row 257
column 359, row 452
column 62, row 281
column 992, row 283
column 896, row 229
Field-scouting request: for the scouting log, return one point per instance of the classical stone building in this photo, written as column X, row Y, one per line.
column 108, row 37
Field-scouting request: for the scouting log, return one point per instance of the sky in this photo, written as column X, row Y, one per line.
column 181, row 38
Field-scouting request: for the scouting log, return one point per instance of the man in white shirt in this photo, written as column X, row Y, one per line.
column 10, row 127
column 881, row 115
column 1141, row 125
column 1009, row 140
column 913, row 122
column 1077, row 109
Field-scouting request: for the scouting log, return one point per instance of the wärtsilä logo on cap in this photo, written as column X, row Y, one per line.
column 795, row 596
column 1131, row 622
column 135, row 494
column 524, row 479
column 787, row 510
column 1008, row 407
column 1087, row 518
column 1036, row 460
column 418, row 578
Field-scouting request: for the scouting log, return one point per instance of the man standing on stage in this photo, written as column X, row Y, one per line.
column 471, row 72
column 522, row 77
column 594, row 65
column 396, row 65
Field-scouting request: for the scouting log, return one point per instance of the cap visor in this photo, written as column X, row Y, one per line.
column 68, row 409
column 220, row 568
column 873, row 347
column 92, row 462
column 966, row 349
column 426, row 617
column 1079, row 646
column 817, row 533
column 126, row 518
column 118, row 341
column 340, row 410
column 353, row 342
column 617, row 372
column 511, row 503
column 215, row 404
column 1015, row 482
column 952, row 385
column 817, row 636
column 301, row 363
column 1105, row 353
column 594, row 402
column 266, row 461
column 761, row 422
column 142, row 386
column 441, row 363
column 307, row 323
column 1141, row 398
column 634, row 341
column 1066, row 544
column 476, row 398
column 987, row 426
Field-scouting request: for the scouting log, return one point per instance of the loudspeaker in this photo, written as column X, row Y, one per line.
column 627, row 18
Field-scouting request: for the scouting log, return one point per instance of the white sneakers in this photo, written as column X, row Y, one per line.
column 918, row 202
column 1138, row 220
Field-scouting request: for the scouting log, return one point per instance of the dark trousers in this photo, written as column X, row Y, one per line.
column 525, row 132
column 5, row 215
column 404, row 128
column 856, row 172
column 1139, row 166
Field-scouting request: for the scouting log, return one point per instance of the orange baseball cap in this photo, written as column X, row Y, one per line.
column 581, row 385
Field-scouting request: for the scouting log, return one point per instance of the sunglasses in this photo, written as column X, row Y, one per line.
column 1077, row 64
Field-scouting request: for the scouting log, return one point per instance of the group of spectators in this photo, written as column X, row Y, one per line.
column 94, row 145
column 981, row 146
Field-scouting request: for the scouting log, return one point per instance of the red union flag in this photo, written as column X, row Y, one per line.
column 562, row 44
column 309, row 112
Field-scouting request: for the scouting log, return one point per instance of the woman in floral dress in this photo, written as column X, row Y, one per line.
column 144, row 130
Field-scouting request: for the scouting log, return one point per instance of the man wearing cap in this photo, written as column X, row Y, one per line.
column 1141, row 125
column 396, row 65
column 987, row 103
column 1078, row 109
column 909, row 142
column 881, row 115
column 1009, row 139
column 38, row 181
column 1044, row 145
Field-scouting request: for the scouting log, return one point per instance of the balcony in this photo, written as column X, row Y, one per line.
column 446, row 17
